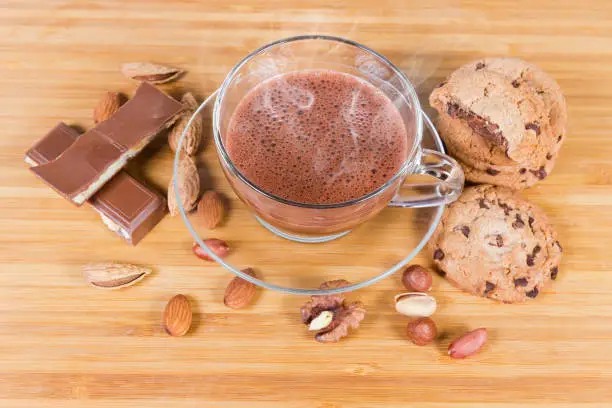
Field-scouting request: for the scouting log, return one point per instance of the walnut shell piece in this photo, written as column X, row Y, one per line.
column 345, row 315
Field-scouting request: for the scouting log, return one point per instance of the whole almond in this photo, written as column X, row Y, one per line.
column 239, row 292
column 211, row 209
column 177, row 316
column 468, row 344
column 106, row 107
column 422, row 331
column 193, row 136
column 219, row 248
column 112, row 275
column 417, row 279
column 154, row 73
column 188, row 180
column 415, row 304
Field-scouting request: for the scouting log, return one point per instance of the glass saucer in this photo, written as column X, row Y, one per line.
column 368, row 254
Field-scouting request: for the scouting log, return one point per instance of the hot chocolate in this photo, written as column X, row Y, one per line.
column 317, row 137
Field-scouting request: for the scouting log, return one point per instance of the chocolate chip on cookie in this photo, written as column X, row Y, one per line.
column 493, row 243
column 465, row 230
column 518, row 222
column 438, row 255
column 521, row 282
column 553, row 272
column 533, row 126
column 540, row 173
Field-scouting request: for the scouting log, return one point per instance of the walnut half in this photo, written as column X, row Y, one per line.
column 345, row 315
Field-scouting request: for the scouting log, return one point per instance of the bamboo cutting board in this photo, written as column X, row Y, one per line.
column 64, row 344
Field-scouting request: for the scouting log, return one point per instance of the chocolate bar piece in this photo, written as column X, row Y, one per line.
column 100, row 153
column 51, row 145
column 126, row 206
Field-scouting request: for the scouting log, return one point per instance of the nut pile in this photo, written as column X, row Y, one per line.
column 422, row 330
column 177, row 316
column 331, row 317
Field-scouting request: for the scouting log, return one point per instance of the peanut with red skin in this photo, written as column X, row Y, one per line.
column 218, row 246
column 468, row 344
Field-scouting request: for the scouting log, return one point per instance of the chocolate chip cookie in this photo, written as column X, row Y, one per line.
column 481, row 163
column 502, row 115
column 493, row 243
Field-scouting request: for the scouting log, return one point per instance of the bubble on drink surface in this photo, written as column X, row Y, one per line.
column 324, row 132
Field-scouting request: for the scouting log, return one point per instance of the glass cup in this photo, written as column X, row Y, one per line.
column 323, row 222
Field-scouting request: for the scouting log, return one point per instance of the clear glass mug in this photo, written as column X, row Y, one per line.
column 323, row 222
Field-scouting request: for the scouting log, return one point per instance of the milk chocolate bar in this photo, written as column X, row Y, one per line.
column 100, row 153
column 51, row 145
column 126, row 206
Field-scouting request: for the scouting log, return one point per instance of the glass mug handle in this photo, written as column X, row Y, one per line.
column 446, row 190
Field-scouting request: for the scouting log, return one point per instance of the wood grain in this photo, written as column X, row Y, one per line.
column 63, row 343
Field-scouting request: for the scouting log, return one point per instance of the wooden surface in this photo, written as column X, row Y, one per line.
column 64, row 344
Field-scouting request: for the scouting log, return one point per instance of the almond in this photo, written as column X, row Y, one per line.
column 468, row 344
column 193, row 136
column 106, row 107
column 112, row 275
column 154, row 73
column 219, row 248
column 211, row 209
column 188, row 180
column 239, row 292
column 177, row 316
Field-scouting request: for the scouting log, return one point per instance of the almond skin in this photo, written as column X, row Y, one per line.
column 177, row 316
column 106, row 107
column 239, row 292
column 153, row 73
column 190, row 101
column 417, row 279
column 468, row 344
column 211, row 209
column 189, row 186
column 193, row 136
column 112, row 275
column 218, row 246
